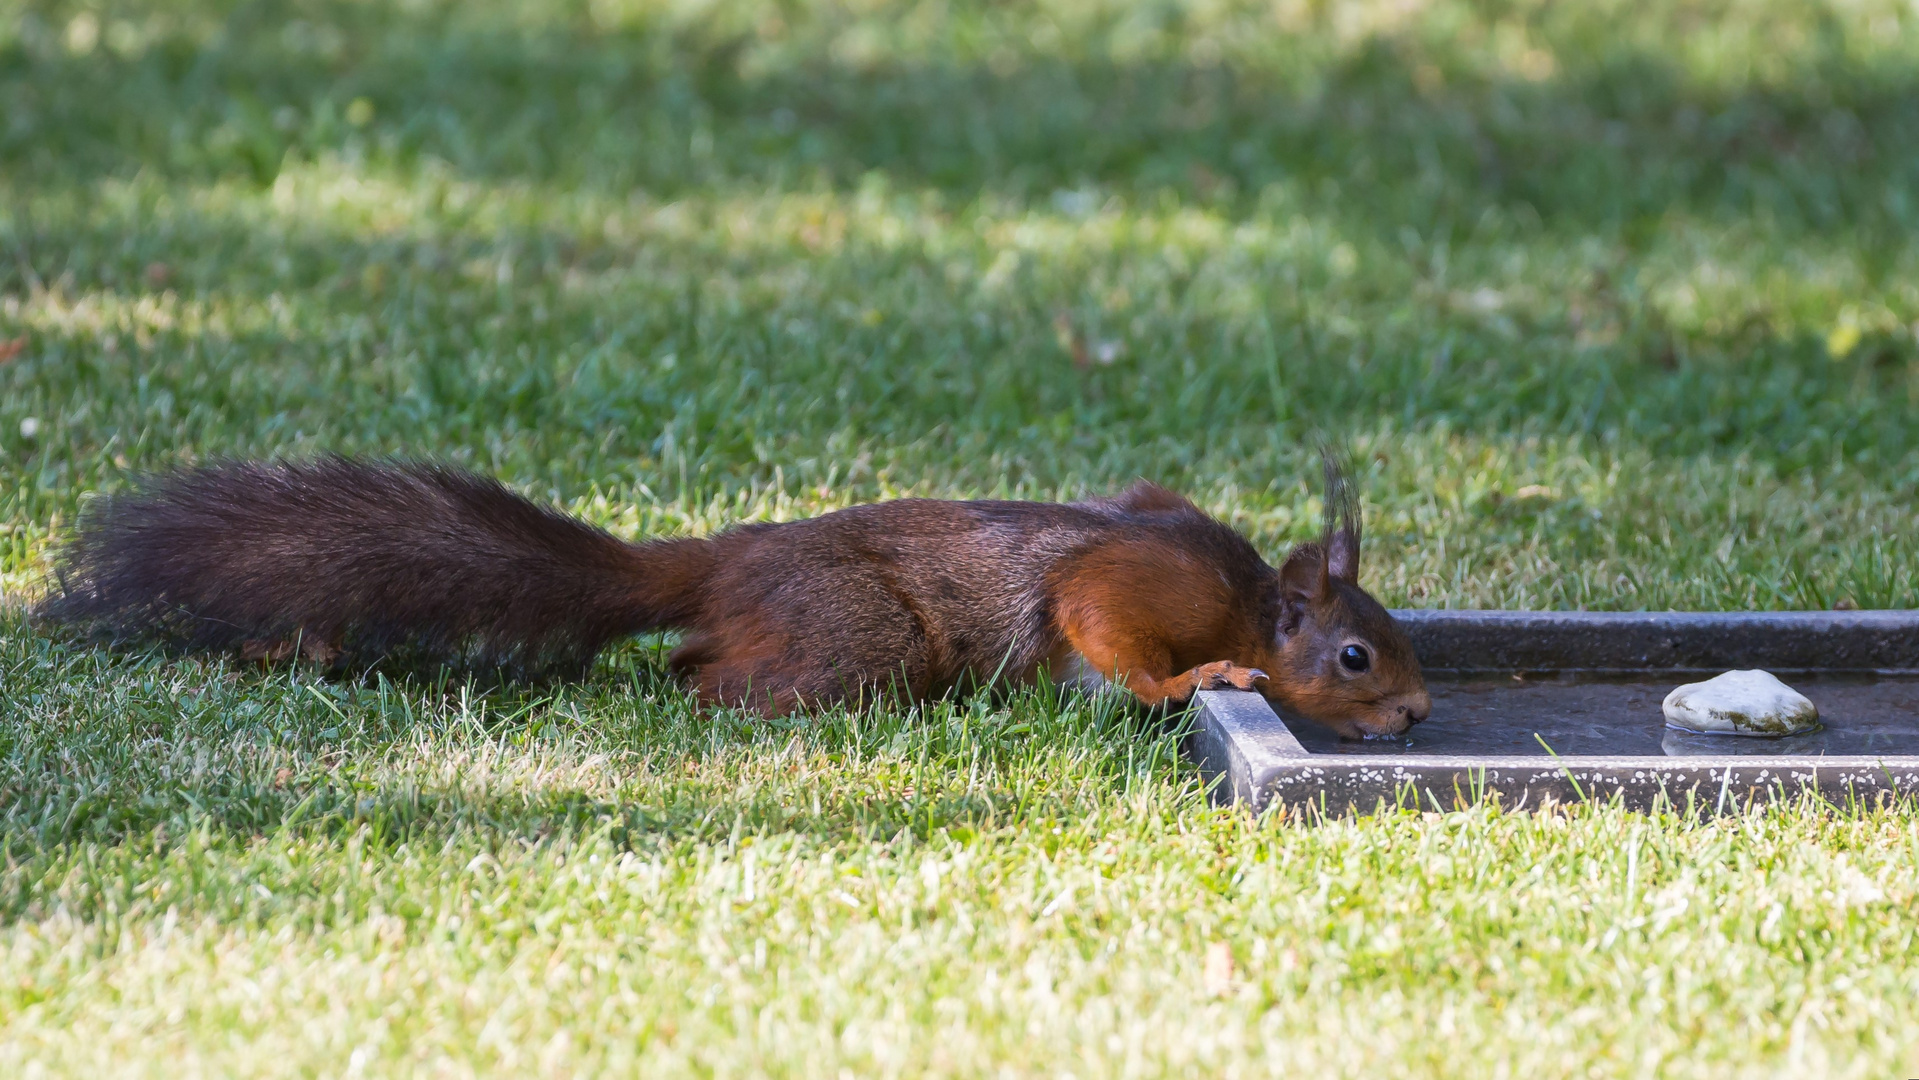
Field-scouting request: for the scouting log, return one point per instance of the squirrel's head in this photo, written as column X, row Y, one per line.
column 1342, row 659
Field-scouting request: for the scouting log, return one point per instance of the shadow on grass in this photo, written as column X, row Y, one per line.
column 392, row 815
column 434, row 351
column 1409, row 131
column 103, row 747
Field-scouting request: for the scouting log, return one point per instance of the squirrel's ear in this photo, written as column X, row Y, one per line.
column 1302, row 583
column 1342, row 560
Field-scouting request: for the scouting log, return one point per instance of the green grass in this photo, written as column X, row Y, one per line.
column 1614, row 303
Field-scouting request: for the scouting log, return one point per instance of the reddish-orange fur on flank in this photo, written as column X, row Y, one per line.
column 339, row 559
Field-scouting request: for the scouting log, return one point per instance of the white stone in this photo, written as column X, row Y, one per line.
column 1741, row 703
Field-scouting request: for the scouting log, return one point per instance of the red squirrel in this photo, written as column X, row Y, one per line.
column 337, row 556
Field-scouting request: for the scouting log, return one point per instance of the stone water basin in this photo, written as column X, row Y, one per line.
column 1581, row 714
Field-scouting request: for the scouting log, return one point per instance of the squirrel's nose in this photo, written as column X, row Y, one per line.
column 1417, row 708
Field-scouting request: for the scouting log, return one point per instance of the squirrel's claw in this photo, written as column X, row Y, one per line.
column 1225, row 675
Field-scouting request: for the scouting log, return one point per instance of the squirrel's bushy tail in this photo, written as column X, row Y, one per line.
column 366, row 558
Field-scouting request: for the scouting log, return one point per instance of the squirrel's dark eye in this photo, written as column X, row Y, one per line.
column 1355, row 658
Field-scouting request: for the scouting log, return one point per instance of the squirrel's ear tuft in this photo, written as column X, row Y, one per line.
column 1342, row 528
column 1342, row 560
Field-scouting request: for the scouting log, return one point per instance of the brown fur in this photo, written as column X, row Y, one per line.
column 345, row 559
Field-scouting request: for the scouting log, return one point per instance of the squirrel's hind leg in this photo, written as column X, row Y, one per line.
column 826, row 648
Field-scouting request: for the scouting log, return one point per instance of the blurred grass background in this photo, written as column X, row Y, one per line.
column 1614, row 303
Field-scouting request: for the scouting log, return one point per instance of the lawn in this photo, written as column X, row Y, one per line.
column 1613, row 304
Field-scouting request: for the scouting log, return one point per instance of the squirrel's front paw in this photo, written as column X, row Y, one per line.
column 1226, row 675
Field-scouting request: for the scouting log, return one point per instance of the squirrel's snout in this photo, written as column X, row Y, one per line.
column 1416, row 708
